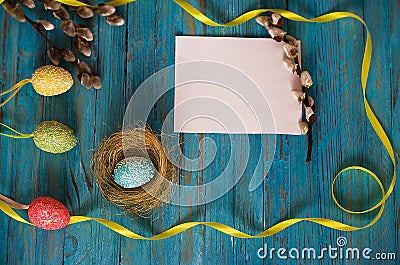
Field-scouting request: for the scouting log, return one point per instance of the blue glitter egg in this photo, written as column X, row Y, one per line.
column 133, row 172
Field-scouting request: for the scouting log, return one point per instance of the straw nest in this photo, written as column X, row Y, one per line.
column 127, row 143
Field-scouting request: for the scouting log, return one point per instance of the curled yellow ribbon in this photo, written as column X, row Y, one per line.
column 284, row 224
column 78, row 3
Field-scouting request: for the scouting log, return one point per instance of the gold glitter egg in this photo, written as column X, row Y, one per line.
column 50, row 80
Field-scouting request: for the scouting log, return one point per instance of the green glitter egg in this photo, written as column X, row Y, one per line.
column 54, row 137
column 133, row 172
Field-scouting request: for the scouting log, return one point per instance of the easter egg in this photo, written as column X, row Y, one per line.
column 50, row 80
column 48, row 213
column 54, row 137
column 133, row 172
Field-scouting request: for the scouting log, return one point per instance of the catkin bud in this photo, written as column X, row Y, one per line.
column 52, row 5
column 85, row 80
column 54, row 56
column 61, row 13
column 298, row 95
column 305, row 79
column 105, row 10
column 273, row 31
column 85, row 12
column 303, row 127
column 290, row 64
column 68, row 55
column 15, row 11
column 290, row 50
column 96, row 81
column 292, row 40
column 275, row 19
column 46, row 24
column 28, row 3
column 83, row 46
column 309, row 113
column 68, row 27
column 264, row 21
column 311, row 101
column 82, row 67
column 84, row 32
column 115, row 20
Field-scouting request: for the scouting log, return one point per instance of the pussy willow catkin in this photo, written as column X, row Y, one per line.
column 48, row 80
column 49, row 136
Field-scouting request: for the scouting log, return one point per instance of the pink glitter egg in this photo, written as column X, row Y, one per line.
column 48, row 214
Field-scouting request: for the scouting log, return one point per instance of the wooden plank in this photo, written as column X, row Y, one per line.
column 193, row 244
column 338, row 87
column 83, row 241
column 169, row 24
column 139, row 26
column 112, row 42
column 380, row 98
column 350, row 131
column 8, row 54
column 51, row 175
column 219, row 248
column 257, row 210
column 25, row 178
column 395, row 107
column 298, row 196
column 332, row 53
column 94, row 121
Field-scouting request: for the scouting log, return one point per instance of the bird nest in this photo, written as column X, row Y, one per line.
column 127, row 143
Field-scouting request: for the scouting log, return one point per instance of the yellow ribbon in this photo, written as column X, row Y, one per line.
column 78, row 3
column 15, row 89
column 284, row 224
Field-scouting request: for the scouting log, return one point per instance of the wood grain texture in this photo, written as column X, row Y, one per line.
column 125, row 57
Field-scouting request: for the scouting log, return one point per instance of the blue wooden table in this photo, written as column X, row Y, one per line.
column 124, row 57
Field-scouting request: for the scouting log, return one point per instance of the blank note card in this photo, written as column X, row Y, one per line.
column 234, row 85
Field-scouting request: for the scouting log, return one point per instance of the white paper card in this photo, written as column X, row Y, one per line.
column 234, row 85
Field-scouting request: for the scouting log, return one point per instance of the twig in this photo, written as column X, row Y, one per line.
column 87, row 78
column 35, row 26
column 274, row 25
column 306, row 102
